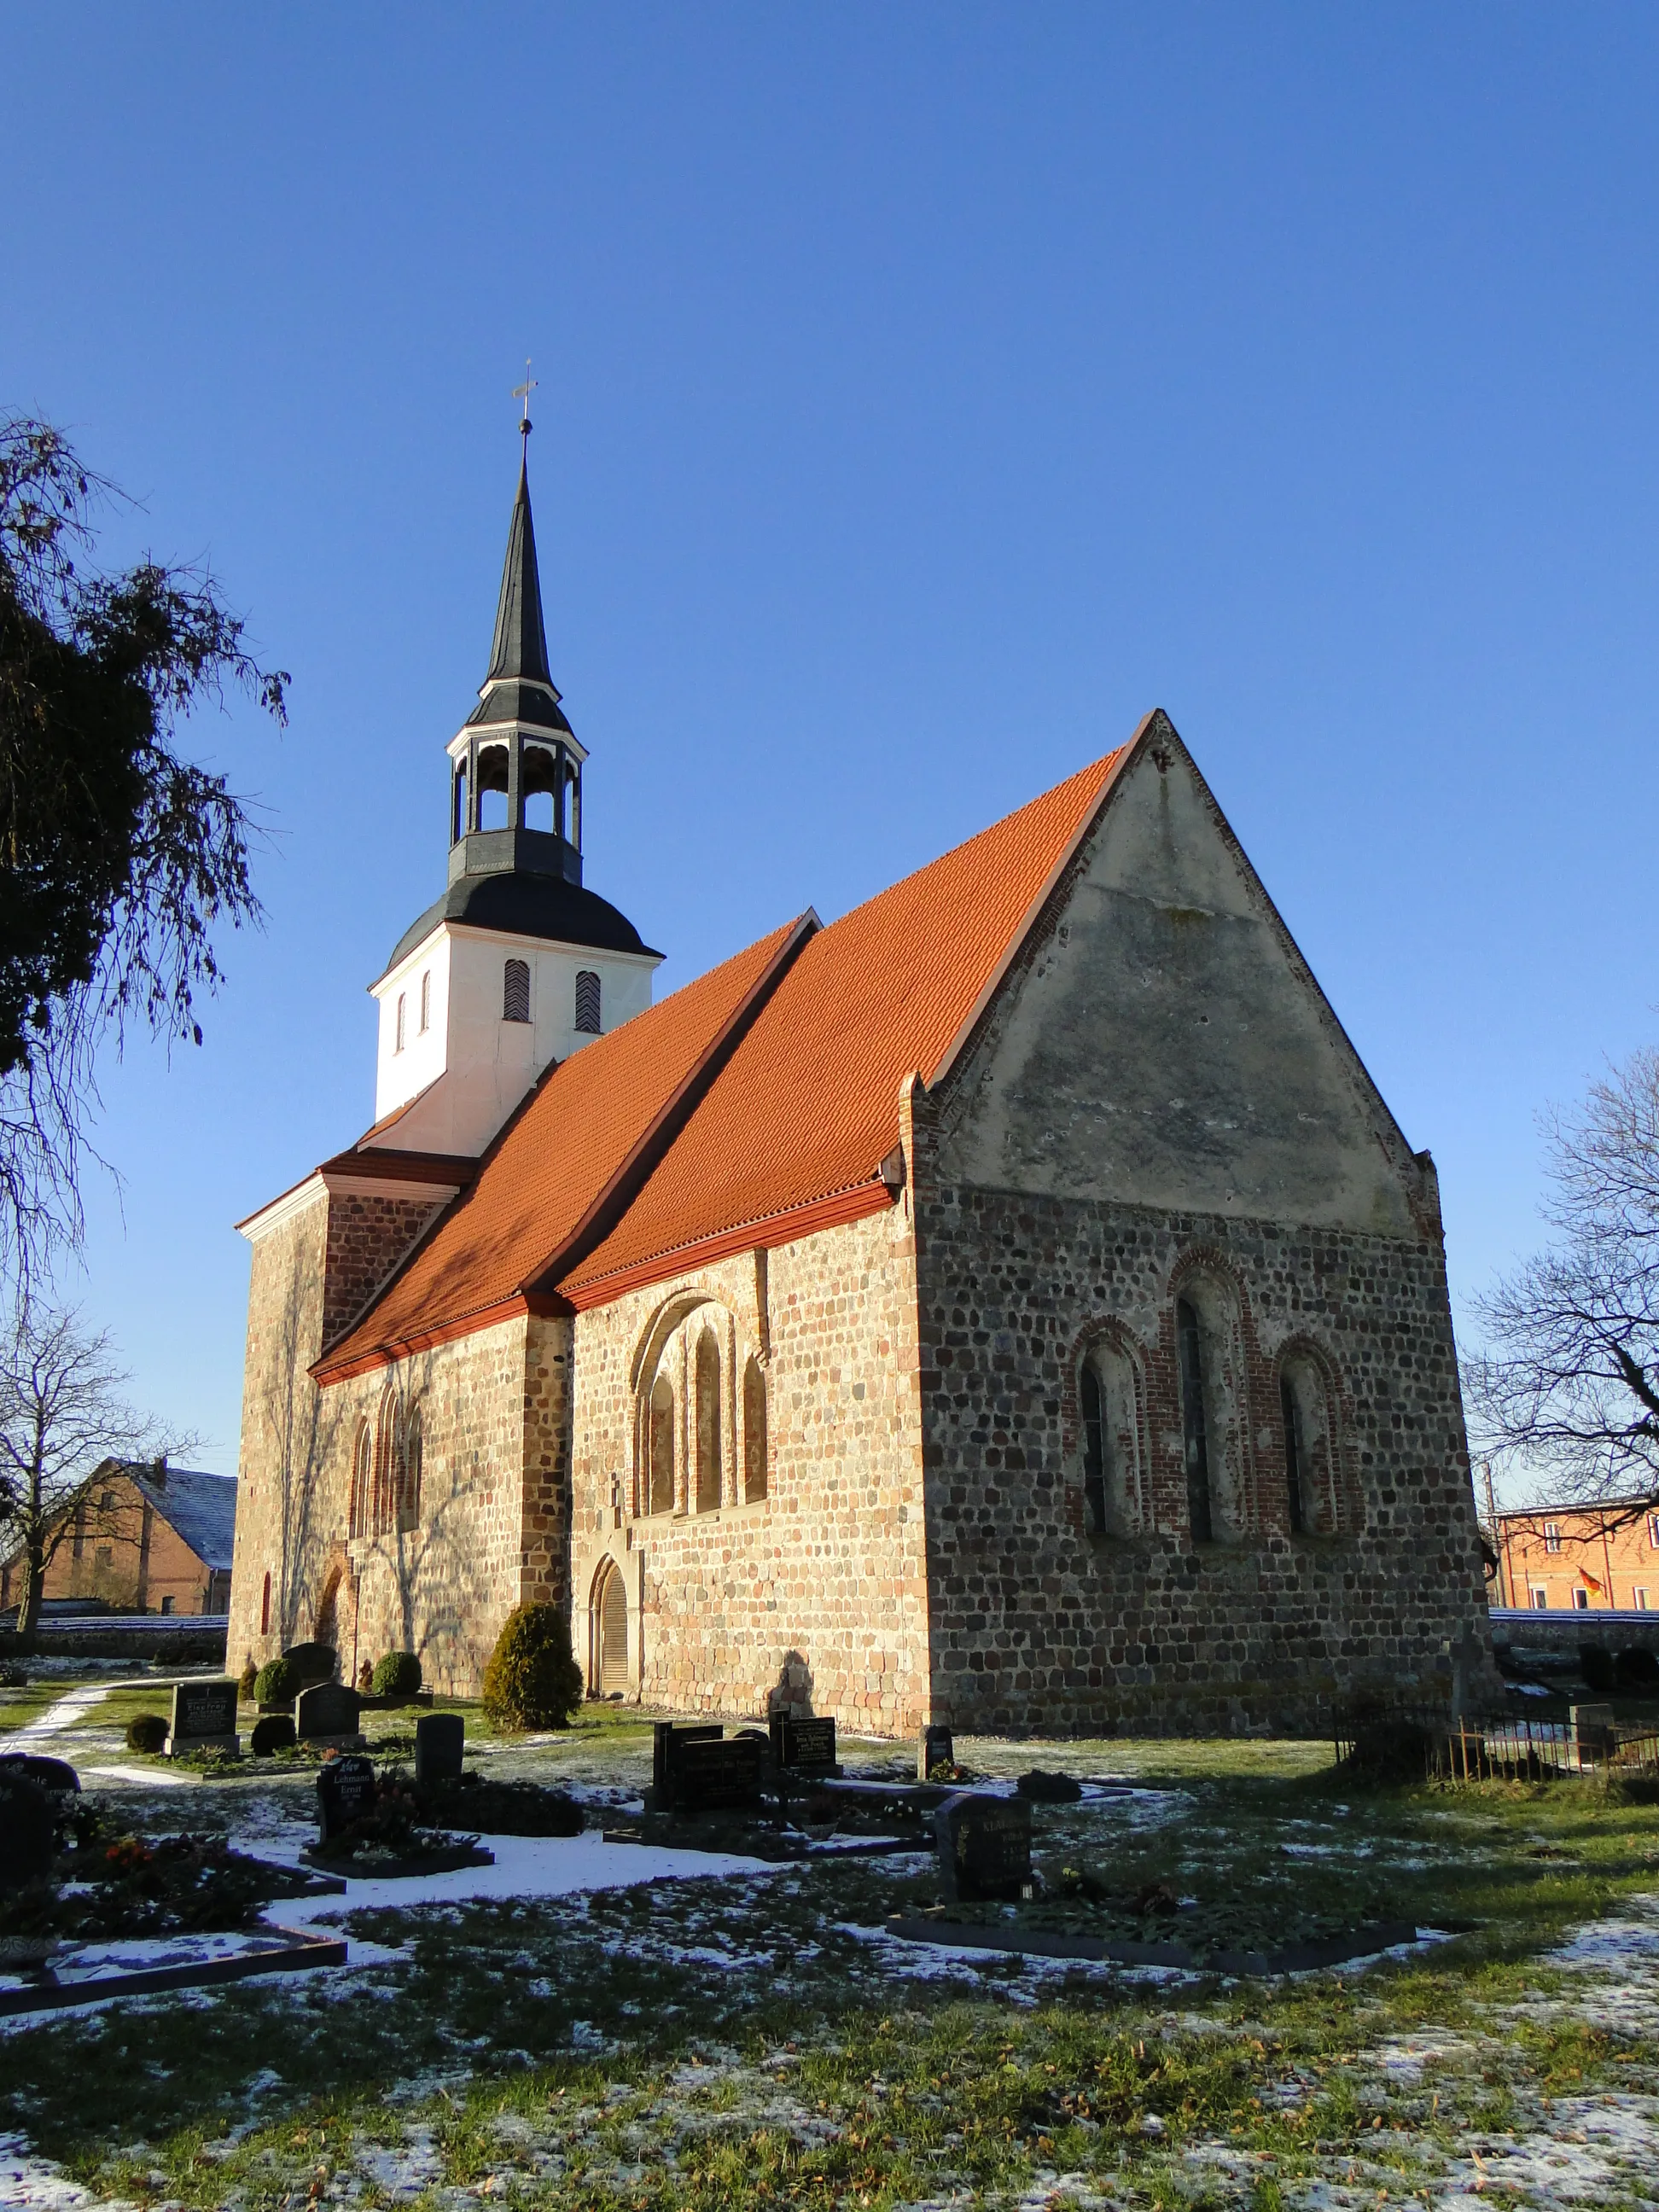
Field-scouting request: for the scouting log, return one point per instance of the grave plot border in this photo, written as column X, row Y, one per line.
column 1055, row 1943
column 445, row 1862
column 301, row 1952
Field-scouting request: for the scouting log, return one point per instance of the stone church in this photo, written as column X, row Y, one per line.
column 1011, row 1305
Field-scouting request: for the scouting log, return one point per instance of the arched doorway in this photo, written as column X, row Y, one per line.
column 611, row 1615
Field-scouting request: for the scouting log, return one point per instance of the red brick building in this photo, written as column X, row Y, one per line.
column 143, row 1540
column 1588, row 1559
column 1012, row 1303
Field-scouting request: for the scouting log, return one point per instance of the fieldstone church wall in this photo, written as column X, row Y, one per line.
column 1037, row 1624
column 814, row 1597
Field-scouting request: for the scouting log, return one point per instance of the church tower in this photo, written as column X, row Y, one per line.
column 517, row 964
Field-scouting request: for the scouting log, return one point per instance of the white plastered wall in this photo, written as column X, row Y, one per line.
column 469, row 1068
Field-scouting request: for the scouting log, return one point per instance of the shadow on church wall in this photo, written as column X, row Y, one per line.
column 792, row 1692
column 303, row 1429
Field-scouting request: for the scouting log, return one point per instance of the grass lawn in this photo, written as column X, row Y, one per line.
column 759, row 2042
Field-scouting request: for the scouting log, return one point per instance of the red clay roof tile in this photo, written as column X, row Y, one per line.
column 804, row 1107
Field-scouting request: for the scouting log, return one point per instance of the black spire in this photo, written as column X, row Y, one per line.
column 521, row 643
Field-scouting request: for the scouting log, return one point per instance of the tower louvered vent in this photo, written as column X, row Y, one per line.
column 587, row 1002
column 516, row 991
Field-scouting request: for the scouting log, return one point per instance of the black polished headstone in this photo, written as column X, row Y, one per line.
column 439, row 1746
column 36, row 1766
column 29, row 1833
column 722, row 1776
column 203, row 1716
column 665, row 1737
column 329, row 1710
column 806, row 1747
column 272, row 1732
column 984, row 1847
column 936, row 1747
column 345, row 1793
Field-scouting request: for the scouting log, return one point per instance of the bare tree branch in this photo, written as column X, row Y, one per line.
column 1569, row 1383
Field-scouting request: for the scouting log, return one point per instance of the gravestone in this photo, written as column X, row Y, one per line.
column 1593, row 1731
column 439, row 1743
column 984, row 1847
column 312, row 1662
column 345, row 1793
column 803, row 1746
column 36, row 1766
column 331, row 1714
column 706, row 1770
column 272, row 1732
column 665, row 1736
column 936, row 1747
column 29, row 1833
column 203, row 1717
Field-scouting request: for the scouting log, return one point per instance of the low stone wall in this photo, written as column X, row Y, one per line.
column 181, row 1637
column 1514, row 1629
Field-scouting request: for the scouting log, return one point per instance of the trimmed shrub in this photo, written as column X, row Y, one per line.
column 1636, row 1668
column 272, row 1732
column 1596, row 1665
column 249, row 1676
column 148, row 1732
column 277, row 1683
column 397, row 1675
column 1390, row 1750
column 532, row 1680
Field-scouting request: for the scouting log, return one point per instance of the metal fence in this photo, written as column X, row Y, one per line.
column 1404, row 1743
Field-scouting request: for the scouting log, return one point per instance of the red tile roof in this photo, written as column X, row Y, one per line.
column 785, row 1065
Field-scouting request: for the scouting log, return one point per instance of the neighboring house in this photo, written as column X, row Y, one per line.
column 1013, row 1304
column 1587, row 1559
column 145, row 1540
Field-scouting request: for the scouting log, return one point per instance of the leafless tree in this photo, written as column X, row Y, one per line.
column 1569, row 1383
column 63, row 1414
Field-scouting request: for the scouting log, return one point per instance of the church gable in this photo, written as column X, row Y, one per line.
column 1160, row 1042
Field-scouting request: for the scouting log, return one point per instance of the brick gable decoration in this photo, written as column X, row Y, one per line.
column 1011, row 1305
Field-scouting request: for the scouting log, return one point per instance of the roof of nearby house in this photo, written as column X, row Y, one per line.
column 199, row 1507
column 766, row 1090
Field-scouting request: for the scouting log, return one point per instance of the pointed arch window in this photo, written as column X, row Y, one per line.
column 1194, row 1421
column 1310, row 1487
column 403, row 1018
column 661, row 1447
column 1109, row 1398
column 708, row 1422
column 754, row 1432
column 426, row 1002
column 361, row 1464
column 389, row 1474
column 516, row 991
column 409, row 1489
column 587, row 1002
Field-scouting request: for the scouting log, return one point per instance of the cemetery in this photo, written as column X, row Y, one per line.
column 657, row 1960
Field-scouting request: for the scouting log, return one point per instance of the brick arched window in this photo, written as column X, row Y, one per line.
column 1215, row 1412
column 409, row 1492
column 1110, row 1398
column 388, row 1461
column 708, row 1422
column 357, row 1516
column 754, row 1431
column 587, row 1002
column 515, row 991
column 264, row 1606
column 661, row 1447
column 1306, row 1406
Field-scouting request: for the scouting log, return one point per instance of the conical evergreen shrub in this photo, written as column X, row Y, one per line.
column 532, row 1680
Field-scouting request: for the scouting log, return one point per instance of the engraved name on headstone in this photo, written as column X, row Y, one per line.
column 803, row 1746
column 984, row 1847
column 204, row 1716
column 345, row 1792
column 440, row 1745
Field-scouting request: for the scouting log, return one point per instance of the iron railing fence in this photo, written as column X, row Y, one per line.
column 1403, row 1742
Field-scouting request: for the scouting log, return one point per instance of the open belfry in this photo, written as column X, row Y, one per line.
column 1011, row 1305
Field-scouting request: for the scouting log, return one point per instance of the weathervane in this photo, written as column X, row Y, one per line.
column 523, row 391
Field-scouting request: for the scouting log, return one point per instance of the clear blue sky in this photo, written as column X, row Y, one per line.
column 925, row 394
